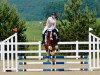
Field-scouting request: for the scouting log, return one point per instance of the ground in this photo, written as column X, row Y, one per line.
column 51, row 73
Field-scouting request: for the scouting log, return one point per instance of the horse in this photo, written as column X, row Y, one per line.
column 51, row 44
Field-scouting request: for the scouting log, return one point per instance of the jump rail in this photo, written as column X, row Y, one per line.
column 93, row 62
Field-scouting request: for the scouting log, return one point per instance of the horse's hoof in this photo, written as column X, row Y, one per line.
column 58, row 50
column 53, row 63
column 52, row 53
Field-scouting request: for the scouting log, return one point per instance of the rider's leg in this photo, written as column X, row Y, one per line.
column 43, row 38
column 43, row 35
column 56, row 30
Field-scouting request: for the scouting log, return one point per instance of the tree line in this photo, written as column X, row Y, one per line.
column 40, row 10
column 11, row 22
column 76, row 22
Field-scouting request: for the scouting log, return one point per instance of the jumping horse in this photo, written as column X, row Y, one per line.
column 51, row 44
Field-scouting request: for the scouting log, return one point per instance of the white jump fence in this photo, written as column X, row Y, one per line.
column 9, row 49
column 40, row 51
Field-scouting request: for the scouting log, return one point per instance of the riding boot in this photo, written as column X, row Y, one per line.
column 43, row 38
column 57, row 34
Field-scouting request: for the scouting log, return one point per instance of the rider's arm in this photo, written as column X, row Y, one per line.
column 47, row 23
column 55, row 25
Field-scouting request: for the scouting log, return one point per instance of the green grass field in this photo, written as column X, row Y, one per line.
column 34, row 31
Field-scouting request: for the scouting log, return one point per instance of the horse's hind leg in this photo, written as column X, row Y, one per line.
column 56, row 48
column 53, row 59
column 48, row 54
column 51, row 53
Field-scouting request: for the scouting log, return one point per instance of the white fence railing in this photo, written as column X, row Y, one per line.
column 10, row 46
column 40, row 51
column 10, row 39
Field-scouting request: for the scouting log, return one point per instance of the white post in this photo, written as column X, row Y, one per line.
column 40, row 50
column 98, row 65
column 94, row 52
column 90, row 56
column 3, row 54
column 1, row 51
column 12, row 54
column 16, row 53
column 77, row 52
column 8, row 55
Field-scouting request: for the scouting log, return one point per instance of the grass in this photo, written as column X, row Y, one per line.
column 34, row 31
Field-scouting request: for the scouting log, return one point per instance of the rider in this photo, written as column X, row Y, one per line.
column 50, row 25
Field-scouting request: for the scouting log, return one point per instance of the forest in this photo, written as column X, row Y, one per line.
column 40, row 9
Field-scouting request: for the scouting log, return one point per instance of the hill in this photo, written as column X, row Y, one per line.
column 34, row 9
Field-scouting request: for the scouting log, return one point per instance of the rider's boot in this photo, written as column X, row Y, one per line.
column 57, row 34
column 43, row 38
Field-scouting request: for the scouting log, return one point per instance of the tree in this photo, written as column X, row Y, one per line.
column 76, row 22
column 53, row 6
column 10, row 19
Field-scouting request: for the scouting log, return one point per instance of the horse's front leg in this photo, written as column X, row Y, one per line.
column 52, row 53
column 53, row 59
column 48, row 54
column 57, row 48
